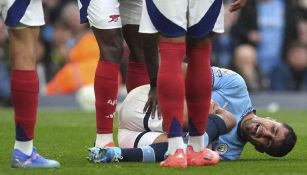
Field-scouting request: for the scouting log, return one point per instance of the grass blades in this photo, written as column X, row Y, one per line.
column 65, row 136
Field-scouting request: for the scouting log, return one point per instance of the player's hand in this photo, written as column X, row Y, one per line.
column 213, row 107
column 236, row 5
column 153, row 101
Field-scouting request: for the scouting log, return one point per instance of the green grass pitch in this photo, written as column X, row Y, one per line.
column 65, row 136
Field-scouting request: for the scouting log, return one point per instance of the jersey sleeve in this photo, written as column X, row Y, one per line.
column 227, row 86
column 227, row 81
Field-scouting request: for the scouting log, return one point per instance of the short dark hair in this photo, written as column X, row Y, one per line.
column 295, row 45
column 286, row 146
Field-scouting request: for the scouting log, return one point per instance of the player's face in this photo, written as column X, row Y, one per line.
column 264, row 132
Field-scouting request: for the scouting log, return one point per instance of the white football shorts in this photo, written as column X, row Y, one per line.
column 174, row 18
column 110, row 14
column 101, row 14
column 22, row 13
column 137, row 128
column 131, row 11
column 134, row 139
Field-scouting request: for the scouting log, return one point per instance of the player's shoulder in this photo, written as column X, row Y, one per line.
column 219, row 71
column 227, row 78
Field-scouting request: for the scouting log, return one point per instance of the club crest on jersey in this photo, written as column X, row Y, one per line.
column 221, row 148
column 113, row 18
column 112, row 102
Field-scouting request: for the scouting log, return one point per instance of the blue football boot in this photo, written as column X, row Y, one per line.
column 104, row 155
column 20, row 160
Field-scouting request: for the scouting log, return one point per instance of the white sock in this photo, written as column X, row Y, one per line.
column 25, row 147
column 175, row 143
column 103, row 139
column 197, row 142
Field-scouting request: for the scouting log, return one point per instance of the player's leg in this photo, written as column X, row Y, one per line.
column 24, row 85
column 155, row 152
column 203, row 16
column 138, row 145
column 198, row 90
column 136, row 74
column 25, row 96
column 105, row 22
column 106, row 83
column 25, row 89
column 134, row 147
column 170, row 79
column 152, row 146
column 171, row 92
column 23, row 40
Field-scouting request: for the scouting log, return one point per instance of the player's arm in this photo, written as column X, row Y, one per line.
column 150, row 46
column 215, row 111
column 226, row 116
column 220, row 121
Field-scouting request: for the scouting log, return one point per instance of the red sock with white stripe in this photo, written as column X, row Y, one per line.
column 106, row 87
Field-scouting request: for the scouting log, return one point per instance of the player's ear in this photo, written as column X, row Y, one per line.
column 261, row 150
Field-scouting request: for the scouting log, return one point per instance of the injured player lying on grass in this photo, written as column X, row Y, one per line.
column 231, row 124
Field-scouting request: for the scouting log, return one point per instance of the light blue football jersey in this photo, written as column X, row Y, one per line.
column 230, row 92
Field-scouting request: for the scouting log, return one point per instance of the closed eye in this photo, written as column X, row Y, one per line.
column 274, row 130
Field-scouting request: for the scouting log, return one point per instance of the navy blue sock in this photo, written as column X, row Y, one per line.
column 152, row 153
column 160, row 150
column 132, row 155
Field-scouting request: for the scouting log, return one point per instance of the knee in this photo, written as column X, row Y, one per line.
column 112, row 48
column 111, row 44
column 22, row 59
